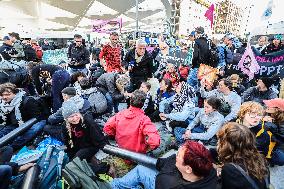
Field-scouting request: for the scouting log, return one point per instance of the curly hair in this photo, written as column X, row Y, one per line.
column 237, row 144
column 278, row 116
column 249, row 107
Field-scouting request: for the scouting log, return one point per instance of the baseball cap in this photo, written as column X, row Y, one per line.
column 199, row 30
column 275, row 103
column 5, row 38
column 192, row 33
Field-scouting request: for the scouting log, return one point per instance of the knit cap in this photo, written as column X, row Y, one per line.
column 69, row 107
column 70, row 91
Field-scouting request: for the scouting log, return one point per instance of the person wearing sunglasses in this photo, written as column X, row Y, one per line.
column 78, row 56
column 251, row 115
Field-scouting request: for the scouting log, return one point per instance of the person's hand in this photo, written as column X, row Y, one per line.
column 186, row 135
column 218, row 169
column 163, row 116
column 268, row 119
column 26, row 167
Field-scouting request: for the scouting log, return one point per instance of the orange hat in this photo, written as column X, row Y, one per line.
column 275, row 103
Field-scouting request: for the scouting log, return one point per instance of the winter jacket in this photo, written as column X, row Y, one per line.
column 188, row 110
column 49, row 69
column 141, row 70
column 78, row 54
column 6, row 51
column 211, row 122
column 133, row 130
column 169, row 177
column 225, row 55
column 233, row 100
column 19, row 47
column 271, row 48
column 107, row 83
column 86, row 134
column 46, row 47
column 232, row 178
column 253, row 94
column 201, row 52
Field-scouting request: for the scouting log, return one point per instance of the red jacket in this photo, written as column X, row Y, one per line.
column 133, row 130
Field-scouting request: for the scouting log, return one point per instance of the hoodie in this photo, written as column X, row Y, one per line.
column 170, row 178
column 133, row 130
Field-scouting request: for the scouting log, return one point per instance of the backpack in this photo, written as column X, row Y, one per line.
column 213, row 55
column 43, row 105
column 78, row 174
column 51, row 164
column 39, row 52
column 98, row 101
column 30, row 53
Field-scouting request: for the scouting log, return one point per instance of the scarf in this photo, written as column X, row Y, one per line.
column 146, row 103
column 78, row 88
column 7, row 108
column 186, row 95
column 138, row 58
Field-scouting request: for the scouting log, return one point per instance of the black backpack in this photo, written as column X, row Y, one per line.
column 42, row 103
column 30, row 53
column 213, row 55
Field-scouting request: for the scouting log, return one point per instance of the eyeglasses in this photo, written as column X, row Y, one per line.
column 254, row 115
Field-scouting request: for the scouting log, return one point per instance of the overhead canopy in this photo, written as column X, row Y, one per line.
column 35, row 16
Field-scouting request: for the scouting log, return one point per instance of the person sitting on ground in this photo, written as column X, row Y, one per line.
column 83, row 136
column 132, row 129
column 112, row 86
column 205, row 125
column 148, row 106
column 180, row 108
column 236, row 84
column 171, row 74
column 275, row 111
column 250, row 115
column 15, row 109
column 230, row 100
column 191, row 168
column 274, row 46
column 261, row 92
column 237, row 150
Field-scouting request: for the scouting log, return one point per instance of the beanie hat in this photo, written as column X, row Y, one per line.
column 70, row 91
column 68, row 108
column 275, row 103
column 199, row 30
column 268, row 81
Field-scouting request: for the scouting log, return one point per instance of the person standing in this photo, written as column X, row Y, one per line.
column 110, row 55
column 78, row 56
column 17, row 45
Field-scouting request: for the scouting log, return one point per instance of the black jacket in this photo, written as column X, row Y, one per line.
column 170, row 178
column 253, row 94
column 88, row 134
column 49, row 68
column 47, row 47
column 201, row 52
column 233, row 179
column 107, row 83
column 7, row 50
column 80, row 55
column 143, row 69
column 29, row 109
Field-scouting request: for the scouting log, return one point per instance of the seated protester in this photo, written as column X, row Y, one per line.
column 83, row 136
column 261, row 92
column 112, row 86
column 191, row 168
column 205, row 125
column 132, row 129
column 236, row 84
column 9, row 169
column 59, row 78
column 165, row 91
column 148, row 106
column 15, row 109
column 250, row 115
column 275, row 111
column 179, row 108
column 274, row 46
column 231, row 101
column 183, row 72
column 171, row 74
column 75, row 79
column 237, row 150
column 55, row 121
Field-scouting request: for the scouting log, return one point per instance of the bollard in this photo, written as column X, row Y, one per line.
column 31, row 178
column 16, row 132
column 141, row 159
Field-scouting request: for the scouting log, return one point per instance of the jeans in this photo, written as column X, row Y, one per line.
column 192, row 79
column 60, row 80
column 74, row 70
column 26, row 137
column 6, row 153
column 179, row 131
column 111, row 104
column 278, row 157
column 133, row 179
column 5, row 176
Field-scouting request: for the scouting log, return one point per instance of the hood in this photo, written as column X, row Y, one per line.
column 78, row 100
column 132, row 112
column 208, row 182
